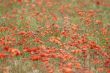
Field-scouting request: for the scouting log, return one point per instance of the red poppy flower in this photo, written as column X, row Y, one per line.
column 34, row 58
column 2, row 55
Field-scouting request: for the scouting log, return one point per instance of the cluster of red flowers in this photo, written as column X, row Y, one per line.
column 41, row 29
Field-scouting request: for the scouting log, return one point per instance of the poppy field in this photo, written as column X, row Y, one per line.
column 54, row 36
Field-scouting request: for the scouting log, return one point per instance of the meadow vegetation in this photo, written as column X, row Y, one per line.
column 54, row 36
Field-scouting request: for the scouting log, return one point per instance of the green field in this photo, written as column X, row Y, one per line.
column 54, row 36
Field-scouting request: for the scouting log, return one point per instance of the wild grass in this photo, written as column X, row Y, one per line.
column 54, row 36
